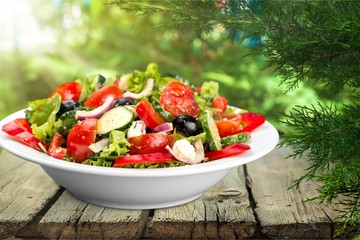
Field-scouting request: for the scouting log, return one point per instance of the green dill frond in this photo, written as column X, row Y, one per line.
column 311, row 42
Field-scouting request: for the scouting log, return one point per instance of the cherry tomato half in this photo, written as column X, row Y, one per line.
column 98, row 97
column 220, row 104
column 68, row 91
column 150, row 143
column 147, row 113
column 79, row 139
column 178, row 99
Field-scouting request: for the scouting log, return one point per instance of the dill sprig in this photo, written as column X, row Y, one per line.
column 313, row 42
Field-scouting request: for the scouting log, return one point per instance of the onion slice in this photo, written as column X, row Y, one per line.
column 146, row 91
column 164, row 127
column 97, row 112
column 99, row 145
column 136, row 129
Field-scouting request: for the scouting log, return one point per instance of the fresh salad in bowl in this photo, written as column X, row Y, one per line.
column 137, row 120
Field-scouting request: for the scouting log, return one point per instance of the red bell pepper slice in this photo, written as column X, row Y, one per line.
column 20, row 129
column 251, row 121
column 228, row 151
column 159, row 157
column 147, row 113
column 55, row 150
column 17, row 126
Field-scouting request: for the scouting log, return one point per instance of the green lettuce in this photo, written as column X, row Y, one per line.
column 117, row 145
column 42, row 117
column 90, row 85
column 209, row 90
column 137, row 80
column 98, row 162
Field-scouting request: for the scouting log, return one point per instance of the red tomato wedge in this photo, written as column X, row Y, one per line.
column 150, row 143
column 159, row 157
column 228, row 125
column 220, row 104
column 228, row 151
column 179, row 99
column 98, row 97
column 238, row 123
column 147, row 113
column 20, row 129
column 55, row 150
column 68, row 91
column 79, row 139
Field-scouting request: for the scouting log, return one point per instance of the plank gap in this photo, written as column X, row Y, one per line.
column 146, row 216
column 251, row 196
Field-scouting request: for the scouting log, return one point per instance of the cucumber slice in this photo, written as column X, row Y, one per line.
column 237, row 138
column 212, row 133
column 118, row 118
column 163, row 113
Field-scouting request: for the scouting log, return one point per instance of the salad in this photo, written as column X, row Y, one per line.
column 144, row 119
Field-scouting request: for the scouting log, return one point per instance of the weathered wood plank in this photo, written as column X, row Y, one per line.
column 282, row 213
column 24, row 190
column 222, row 212
column 70, row 218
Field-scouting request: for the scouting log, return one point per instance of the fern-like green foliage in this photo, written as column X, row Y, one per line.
column 304, row 41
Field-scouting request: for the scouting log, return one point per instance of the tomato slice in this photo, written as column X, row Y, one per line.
column 220, row 103
column 150, row 143
column 98, row 97
column 68, row 91
column 179, row 99
column 228, row 125
column 228, row 151
column 158, row 157
column 79, row 139
column 147, row 113
column 238, row 123
column 55, row 150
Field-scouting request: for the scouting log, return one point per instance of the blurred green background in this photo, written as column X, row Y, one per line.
column 44, row 43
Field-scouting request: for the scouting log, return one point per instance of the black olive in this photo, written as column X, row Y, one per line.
column 187, row 125
column 122, row 102
column 66, row 106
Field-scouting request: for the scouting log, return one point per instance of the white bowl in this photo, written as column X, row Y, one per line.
column 140, row 188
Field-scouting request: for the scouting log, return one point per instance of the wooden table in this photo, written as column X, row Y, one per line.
column 252, row 201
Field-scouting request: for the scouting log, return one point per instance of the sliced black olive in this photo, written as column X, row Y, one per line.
column 67, row 106
column 101, row 80
column 187, row 125
column 122, row 102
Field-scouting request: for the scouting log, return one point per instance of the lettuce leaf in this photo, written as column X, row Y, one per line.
column 98, row 162
column 138, row 79
column 209, row 90
column 117, row 145
column 90, row 85
column 42, row 117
